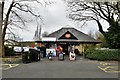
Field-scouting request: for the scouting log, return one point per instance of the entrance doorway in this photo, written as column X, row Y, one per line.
column 65, row 48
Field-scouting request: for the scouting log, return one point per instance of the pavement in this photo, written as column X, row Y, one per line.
column 80, row 68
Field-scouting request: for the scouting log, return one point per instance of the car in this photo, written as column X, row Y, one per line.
column 26, row 49
column 17, row 49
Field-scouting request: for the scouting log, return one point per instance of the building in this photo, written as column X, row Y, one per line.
column 69, row 36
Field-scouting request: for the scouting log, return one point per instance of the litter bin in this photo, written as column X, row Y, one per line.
column 61, row 56
column 35, row 55
column 26, row 58
column 72, row 56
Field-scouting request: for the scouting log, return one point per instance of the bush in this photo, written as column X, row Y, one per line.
column 9, row 51
column 102, row 55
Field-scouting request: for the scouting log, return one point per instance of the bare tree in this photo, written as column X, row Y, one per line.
column 86, row 11
column 45, row 34
column 13, row 16
column 81, row 10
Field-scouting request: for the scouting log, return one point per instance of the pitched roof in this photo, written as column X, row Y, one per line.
column 82, row 37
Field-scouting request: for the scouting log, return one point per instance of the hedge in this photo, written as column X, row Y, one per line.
column 9, row 51
column 102, row 55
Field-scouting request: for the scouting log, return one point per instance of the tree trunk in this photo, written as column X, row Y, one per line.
column 5, row 26
column 103, row 32
column 100, row 27
column 0, row 29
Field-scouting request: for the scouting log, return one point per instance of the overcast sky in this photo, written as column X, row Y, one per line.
column 54, row 18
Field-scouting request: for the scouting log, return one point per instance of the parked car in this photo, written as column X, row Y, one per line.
column 18, row 49
column 26, row 49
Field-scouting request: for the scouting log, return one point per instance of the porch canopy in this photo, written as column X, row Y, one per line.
column 68, row 35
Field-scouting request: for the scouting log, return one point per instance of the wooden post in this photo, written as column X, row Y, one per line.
column 1, row 37
column 0, row 29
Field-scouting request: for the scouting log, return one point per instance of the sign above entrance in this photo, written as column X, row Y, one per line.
column 67, row 35
column 49, row 39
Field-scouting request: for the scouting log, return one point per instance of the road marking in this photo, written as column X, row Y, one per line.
column 105, row 63
column 102, row 68
column 9, row 66
column 110, row 69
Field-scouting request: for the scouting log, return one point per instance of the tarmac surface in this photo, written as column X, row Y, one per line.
column 80, row 68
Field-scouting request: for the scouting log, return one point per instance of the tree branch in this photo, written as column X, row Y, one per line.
column 18, row 26
column 11, row 32
column 28, row 10
column 118, row 7
column 18, row 17
column 100, row 8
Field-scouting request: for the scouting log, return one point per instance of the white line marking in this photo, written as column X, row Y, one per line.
column 109, row 70
column 10, row 66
